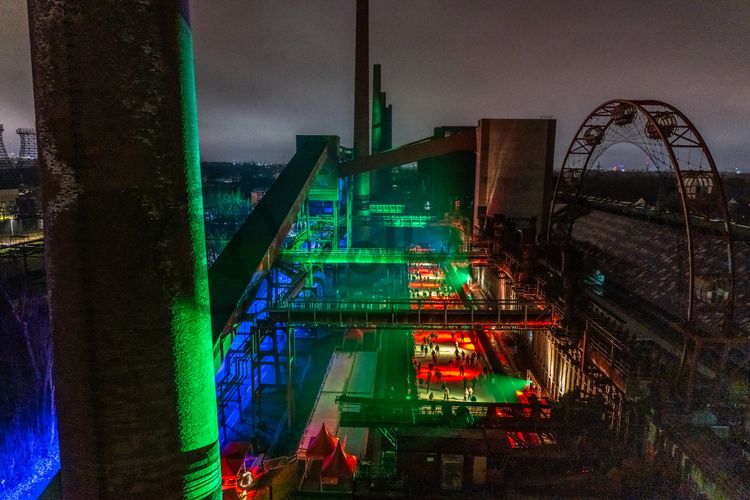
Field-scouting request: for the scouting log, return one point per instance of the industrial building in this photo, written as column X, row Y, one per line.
column 473, row 348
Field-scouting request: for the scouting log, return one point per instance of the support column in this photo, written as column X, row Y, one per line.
column 269, row 290
column 694, row 360
column 336, row 231
column 124, row 240
column 310, row 280
column 584, row 350
column 290, row 392
column 349, row 209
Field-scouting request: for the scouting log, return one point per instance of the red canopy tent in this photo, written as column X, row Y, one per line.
column 353, row 339
column 322, row 445
column 232, row 456
column 227, row 469
column 354, row 334
column 339, row 464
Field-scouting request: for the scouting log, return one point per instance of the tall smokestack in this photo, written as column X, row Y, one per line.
column 362, row 105
column 125, row 249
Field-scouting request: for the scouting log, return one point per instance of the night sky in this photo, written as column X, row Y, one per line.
column 270, row 69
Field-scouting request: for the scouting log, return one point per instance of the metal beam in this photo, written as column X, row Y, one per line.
column 396, row 220
column 420, row 150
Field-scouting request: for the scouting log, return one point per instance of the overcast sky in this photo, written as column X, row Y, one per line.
column 270, row 69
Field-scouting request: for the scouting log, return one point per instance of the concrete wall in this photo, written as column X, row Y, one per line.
column 514, row 168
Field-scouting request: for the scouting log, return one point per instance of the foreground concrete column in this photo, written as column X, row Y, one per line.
column 118, row 151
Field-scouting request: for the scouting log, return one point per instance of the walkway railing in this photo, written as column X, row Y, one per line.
column 374, row 412
column 320, row 304
column 510, row 314
column 378, row 255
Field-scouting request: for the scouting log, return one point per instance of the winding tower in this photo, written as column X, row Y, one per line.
column 4, row 158
column 27, row 155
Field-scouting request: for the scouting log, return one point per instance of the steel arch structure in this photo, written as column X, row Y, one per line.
column 671, row 142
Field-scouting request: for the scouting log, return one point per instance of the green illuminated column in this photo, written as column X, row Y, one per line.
column 124, row 241
column 290, row 363
column 377, row 111
column 362, row 194
column 387, row 135
column 376, row 140
column 349, row 203
column 336, row 229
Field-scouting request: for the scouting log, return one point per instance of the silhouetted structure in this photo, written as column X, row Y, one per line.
column 27, row 154
column 5, row 162
column 382, row 130
column 449, row 179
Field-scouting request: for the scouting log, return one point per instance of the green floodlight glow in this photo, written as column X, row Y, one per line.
column 362, row 186
column 191, row 318
column 388, row 208
column 462, row 275
column 365, row 256
column 407, row 220
column 504, row 387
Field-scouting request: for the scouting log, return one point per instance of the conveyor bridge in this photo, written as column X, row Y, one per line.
column 355, row 411
column 417, row 313
column 374, row 256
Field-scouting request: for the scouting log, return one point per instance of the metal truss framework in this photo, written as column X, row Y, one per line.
column 672, row 143
column 520, row 315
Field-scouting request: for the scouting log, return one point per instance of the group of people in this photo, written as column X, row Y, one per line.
column 429, row 283
column 469, row 388
column 428, row 347
column 461, row 356
column 444, row 389
column 444, row 293
column 460, row 359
